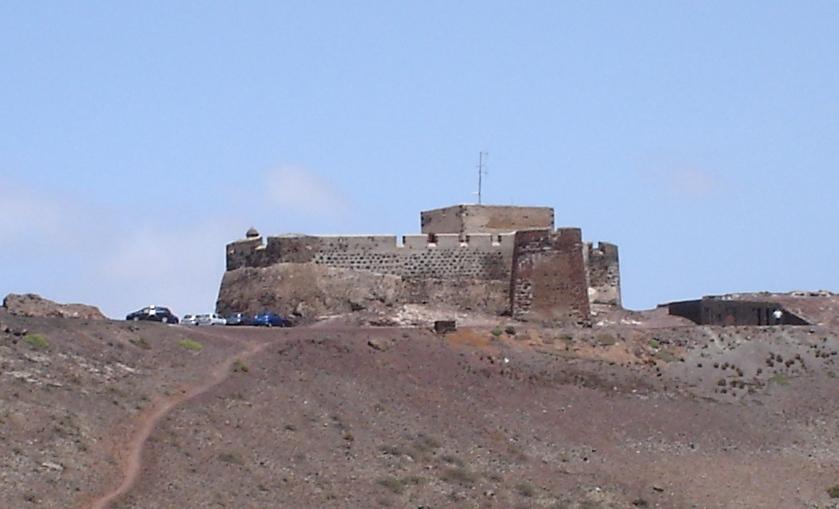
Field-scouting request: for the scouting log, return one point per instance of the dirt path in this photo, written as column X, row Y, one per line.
column 131, row 455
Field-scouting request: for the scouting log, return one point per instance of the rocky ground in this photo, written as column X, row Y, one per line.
column 641, row 410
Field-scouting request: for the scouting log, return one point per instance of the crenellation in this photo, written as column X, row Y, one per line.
column 445, row 240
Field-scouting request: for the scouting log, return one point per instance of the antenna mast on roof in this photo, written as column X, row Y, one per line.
column 482, row 157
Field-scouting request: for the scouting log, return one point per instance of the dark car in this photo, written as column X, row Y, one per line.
column 153, row 314
column 269, row 319
column 240, row 319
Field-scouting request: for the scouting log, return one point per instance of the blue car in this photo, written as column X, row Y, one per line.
column 269, row 319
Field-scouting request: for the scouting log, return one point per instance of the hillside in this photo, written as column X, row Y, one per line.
column 640, row 412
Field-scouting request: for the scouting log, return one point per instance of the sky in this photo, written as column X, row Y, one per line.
column 138, row 138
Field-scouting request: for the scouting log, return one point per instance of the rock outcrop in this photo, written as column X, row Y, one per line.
column 30, row 304
column 311, row 291
column 306, row 290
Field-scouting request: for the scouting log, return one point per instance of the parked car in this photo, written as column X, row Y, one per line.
column 240, row 319
column 269, row 319
column 153, row 314
column 210, row 319
column 189, row 320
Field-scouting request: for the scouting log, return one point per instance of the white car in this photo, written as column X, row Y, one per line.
column 211, row 319
column 189, row 320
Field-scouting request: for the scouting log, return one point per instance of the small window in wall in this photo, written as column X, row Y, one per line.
column 432, row 240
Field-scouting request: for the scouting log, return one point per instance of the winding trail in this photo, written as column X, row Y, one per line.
column 131, row 456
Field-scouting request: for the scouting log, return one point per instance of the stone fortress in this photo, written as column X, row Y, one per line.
column 503, row 260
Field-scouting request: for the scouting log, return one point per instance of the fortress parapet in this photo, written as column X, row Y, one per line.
column 439, row 256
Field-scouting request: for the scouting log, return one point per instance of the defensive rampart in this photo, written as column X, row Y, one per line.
column 444, row 256
column 549, row 276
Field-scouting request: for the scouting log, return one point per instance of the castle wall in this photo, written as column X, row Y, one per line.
column 603, row 273
column 472, row 257
column 549, row 280
column 442, row 257
column 244, row 253
column 486, row 219
column 310, row 291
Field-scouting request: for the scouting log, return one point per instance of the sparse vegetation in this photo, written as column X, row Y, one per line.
column 665, row 355
column 426, row 444
column 452, row 460
column 190, row 344
column 780, row 379
column 605, row 339
column 397, row 485
column 392, row 450
column 459, row 475
column 140, row 343
column 239, row 366
column 231, row 457
column 497, row 332
column 654, row 344
column 525, row 489
column 36, row 341
column 517, row 453
column 833, row 491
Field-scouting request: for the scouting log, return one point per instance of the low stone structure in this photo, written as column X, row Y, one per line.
column 444, row 326
column 720, row 311
column 502, row 260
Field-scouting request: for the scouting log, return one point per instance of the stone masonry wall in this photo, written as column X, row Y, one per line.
column 443, row 257
column 486, row 219
column 603, row 273
column 536, row 274
column 549, row 281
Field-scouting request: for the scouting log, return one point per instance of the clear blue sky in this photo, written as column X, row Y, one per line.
column 136, row 139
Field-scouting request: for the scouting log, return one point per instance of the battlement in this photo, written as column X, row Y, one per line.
column 256, row 252
column 441, row 256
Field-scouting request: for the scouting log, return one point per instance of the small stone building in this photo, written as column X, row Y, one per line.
column 722, row 311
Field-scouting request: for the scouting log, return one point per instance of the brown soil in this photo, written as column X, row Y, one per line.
column 131, row 452
column 118, row 415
